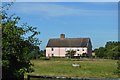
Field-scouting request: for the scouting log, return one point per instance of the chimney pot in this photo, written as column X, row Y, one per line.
column 62, row 35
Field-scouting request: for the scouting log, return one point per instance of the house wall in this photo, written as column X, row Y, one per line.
column 80, row 52
column 61, row 51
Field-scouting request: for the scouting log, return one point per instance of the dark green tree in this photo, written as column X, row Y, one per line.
column 35, row 52
column 70, row 53
column 42, row 53
column 111, row 50
column 16, row 48
column 100, row 52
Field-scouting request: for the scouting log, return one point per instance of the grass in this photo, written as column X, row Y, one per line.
column 98, row 68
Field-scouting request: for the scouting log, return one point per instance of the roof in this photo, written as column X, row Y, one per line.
column 68, row 42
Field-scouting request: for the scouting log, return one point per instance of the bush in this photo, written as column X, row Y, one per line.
column 118, row 68
column 47, row 58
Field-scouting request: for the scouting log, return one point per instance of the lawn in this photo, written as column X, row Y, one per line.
column 98, row 68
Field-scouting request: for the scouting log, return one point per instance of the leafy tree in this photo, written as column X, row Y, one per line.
column 85, row 55
column 70, row 53
column 111, row 50
column 42, row 53
column 35, row 51
column 16, row 48
column 100, row 52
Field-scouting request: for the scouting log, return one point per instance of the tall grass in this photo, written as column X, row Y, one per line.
column 98, row 68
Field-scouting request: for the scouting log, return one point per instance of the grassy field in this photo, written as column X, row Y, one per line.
column 98, row 68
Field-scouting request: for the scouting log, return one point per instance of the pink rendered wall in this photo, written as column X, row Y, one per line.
column 60, row 52
column 48, row 52
column 80, row 51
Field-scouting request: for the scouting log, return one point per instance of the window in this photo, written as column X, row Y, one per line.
column 82, row 49
column 52, row 55
column 77, row 49
column 52, row 49
column 78, row 54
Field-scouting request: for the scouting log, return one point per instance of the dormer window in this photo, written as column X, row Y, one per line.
column 52, row 49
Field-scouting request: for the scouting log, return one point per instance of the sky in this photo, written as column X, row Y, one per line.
column 95, row 20
column 60, row 0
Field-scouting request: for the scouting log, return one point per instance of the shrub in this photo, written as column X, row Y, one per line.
column 118, row 68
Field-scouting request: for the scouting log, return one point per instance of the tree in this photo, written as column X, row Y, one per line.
column 84, row 55
column 100, row 52
column 42, row 53
column 16, row 48
column 70, row 53
column 35, row 51
column 111, row 50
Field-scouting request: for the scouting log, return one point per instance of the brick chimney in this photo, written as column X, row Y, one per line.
column 62, row 35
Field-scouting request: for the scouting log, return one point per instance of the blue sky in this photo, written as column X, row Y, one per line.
column 96, row 20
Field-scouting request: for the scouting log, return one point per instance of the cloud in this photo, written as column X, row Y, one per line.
column 55, row 10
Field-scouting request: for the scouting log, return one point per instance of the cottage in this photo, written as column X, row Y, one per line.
column 58, row 46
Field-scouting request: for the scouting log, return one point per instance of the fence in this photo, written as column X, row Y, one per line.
column 65, row 78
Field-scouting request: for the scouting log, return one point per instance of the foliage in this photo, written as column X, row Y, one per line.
column 118, row 68
column 85, row 55
column 93, row 54
column 16, row 48
column 35, row 51
column 70, row 53
column 100, row 52
column 111, row 50
column 42, row 53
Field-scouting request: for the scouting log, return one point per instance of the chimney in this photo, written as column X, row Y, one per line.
column 62, row 35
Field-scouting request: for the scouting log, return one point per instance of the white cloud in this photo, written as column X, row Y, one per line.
column 54, row 10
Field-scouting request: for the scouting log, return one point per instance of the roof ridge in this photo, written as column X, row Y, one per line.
column 69, row 38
